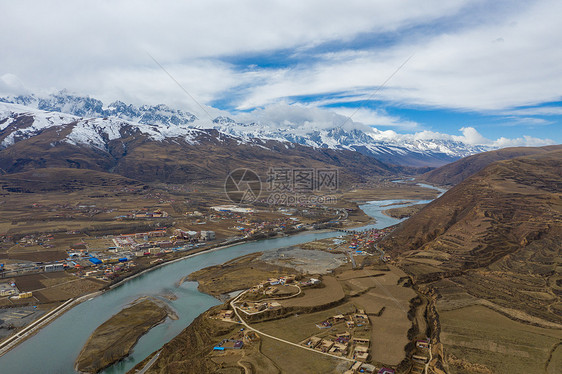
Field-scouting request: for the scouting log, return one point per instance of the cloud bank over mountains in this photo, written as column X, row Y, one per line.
column 499, row 59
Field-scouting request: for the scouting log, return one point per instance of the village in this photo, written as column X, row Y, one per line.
column 346, row 335
column 41, row 271
column 35, row 259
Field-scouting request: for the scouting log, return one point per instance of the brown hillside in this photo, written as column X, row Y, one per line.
column 455, row 172
column 61, row 179
column 208, row 158
column 489, row 230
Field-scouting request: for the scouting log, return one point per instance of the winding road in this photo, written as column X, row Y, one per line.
column 236, row 311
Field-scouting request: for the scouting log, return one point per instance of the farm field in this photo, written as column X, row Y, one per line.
column 331, row 292
column 296, row 328
column 476, row 335
column 295, row 360
column 387, row 306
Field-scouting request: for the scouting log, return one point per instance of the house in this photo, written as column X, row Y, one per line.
column 338, row 317
column 325, row 345
column 185, row 234
column 229, row 344
column 361, row 317
column 361, row 341
column 420, row 359
column 339, row 349
column 207, row 235
column 356, row 366
column 7, row 289
column 54, row 267
column 312, row 342
column 386, row 371
column 361, row 353
column 156, row 233
column 24, row 295
column 154, row 250
column 422, row 344
column 226, row 314
column 95, row 260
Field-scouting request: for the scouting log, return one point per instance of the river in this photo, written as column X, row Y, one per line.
column 55, row 347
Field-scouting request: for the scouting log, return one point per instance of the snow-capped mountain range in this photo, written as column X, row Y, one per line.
column 94, row 125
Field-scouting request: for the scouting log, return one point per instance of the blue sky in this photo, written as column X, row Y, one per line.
column 492, row 66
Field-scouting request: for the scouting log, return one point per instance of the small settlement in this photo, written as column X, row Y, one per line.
column 344, row 335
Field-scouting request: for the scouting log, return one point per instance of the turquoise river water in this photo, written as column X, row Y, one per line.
column 55, row 347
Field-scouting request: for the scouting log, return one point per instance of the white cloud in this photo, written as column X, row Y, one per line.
column 541, row 111
column 11, row 85
column 468, row 54
column 466, row 68
column 78, row 45
column 307, row 119
column 58, row 44
column 525, row 141
column 470, row 136
column 286, row 116
column 375, row 118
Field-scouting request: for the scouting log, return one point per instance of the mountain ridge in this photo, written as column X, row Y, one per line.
column 177, row 153
column 366, row 140
column 458, row 171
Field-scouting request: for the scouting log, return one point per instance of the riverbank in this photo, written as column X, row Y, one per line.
column 403, row 212
column 155, row 281
column 27, row 332
column 35, row 326
column 115, row 338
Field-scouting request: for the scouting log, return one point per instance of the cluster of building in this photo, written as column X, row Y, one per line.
column 25, row 268
column 226, row 315
column 229, row 344
column 420, row 357
column 359, row 367
column 266, row 288
column 365, row 240
column 346, row 344
column 359, row 319
column 10, row 289
column 34, row 239
column 237, row 341
column 144, row 214
column 253, row 307
column 269, row 288
column 109, row 262
column 342, row 344
column 194, row 236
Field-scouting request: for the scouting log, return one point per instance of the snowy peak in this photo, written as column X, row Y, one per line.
column 87, row 107
column 94, row 125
